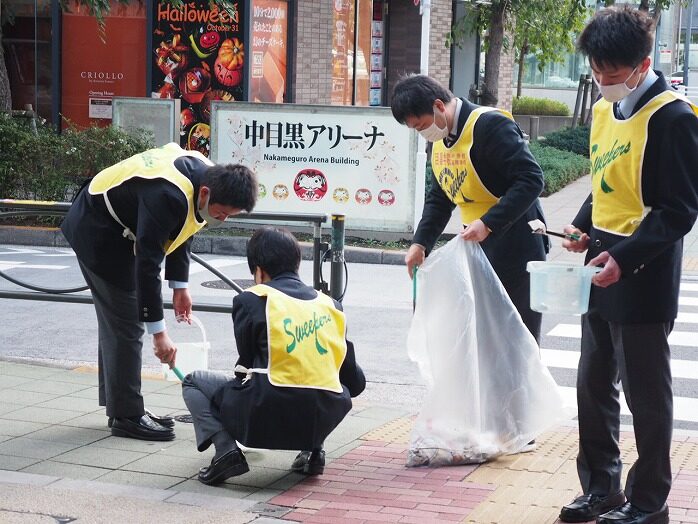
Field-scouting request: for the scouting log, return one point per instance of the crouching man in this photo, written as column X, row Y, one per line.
column 295, row 375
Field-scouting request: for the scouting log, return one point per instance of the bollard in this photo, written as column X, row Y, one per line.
column 535, row 127
column 337, row 263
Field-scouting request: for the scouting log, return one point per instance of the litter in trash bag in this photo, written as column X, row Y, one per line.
column 488, row 392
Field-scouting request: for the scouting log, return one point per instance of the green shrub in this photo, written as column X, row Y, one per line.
column 575, row 140
column 48, row 166
column 559, row 167
column 527, row 105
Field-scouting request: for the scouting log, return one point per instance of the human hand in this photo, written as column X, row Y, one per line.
column 415, row 257
column 164, row 348
column 576, row 246
column 476, row 231
column 610, row 274
column 181, row 300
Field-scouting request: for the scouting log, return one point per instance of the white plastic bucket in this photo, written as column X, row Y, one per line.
column 190, row 355
column 557, row 287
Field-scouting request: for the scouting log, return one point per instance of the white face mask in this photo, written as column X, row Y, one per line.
column 434, row 133
column 616, row 92
column 203, row 211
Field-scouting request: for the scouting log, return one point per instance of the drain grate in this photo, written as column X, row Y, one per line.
column 219, row 284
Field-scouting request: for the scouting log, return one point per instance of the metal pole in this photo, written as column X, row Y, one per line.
column 87, row 299
column 687, row 42
column 317, row 239
column 337, row 265
column 578, row 101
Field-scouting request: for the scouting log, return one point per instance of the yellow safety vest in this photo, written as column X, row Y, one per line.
column 154, row 163
column 307, row 343
column 617, row 149
column 456, row 174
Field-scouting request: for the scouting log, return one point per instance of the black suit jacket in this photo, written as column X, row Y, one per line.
column 650, row 259
column 259, row 414
column 509, row 171
column 155, row 211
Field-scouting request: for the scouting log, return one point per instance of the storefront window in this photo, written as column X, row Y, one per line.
column 27, row 46
column 563, row 74
column 357, row 52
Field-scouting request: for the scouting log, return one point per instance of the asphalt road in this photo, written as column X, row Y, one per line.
column 378, row 304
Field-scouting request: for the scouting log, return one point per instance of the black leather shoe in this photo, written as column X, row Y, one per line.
column 629, row 514
column 588, row 507
column 167, row 422
column 309, row 462
column 229, row 465
column 143, row 429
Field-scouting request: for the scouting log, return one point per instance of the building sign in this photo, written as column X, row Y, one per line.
column 199, row 55
column 269, row 50
column 94, row 71
column 323, row 159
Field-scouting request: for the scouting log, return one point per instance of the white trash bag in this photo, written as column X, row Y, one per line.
column 488, row 392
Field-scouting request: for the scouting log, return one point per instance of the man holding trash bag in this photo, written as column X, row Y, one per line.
column 482, row 164
column 122, row 224
column 295, row 375
column 644, row 149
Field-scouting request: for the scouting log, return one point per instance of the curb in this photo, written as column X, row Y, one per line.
column 234, row 246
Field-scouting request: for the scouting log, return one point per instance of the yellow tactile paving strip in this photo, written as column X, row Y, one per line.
column 531, row 487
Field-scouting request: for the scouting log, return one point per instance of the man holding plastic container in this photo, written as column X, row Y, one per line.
column 481, row 163
column 644, row 149
column 122, row 225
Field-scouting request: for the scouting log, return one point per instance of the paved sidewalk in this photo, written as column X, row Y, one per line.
column 59, row 461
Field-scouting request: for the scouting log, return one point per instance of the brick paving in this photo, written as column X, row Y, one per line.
column 372, row 484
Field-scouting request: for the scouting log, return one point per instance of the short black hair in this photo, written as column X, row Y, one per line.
column 414, row 95
column 275, row 250
column 231, row 185
column 618, row 36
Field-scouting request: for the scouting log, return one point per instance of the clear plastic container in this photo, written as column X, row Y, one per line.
column 190, row 355
column 557, row 287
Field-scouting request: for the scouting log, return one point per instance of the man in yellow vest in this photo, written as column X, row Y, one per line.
column 644, row 153
column 295, row 375
column 482, row 164
column 122, row 225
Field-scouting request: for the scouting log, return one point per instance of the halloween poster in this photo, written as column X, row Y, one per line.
column 198, row 56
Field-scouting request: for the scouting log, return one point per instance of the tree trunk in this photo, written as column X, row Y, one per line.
column 5, row 96
column 522, row 66
column 490, row 89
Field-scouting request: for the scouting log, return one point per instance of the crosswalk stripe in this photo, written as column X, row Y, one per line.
column 688, row 301
column 689, row 286
column 5, row 265
column 676, row 338
column 556, row 358
column 685, row 409
column 217, row 263
column 687, row 318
